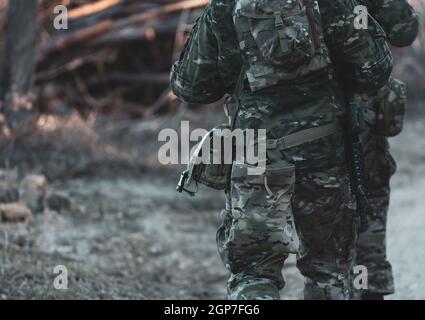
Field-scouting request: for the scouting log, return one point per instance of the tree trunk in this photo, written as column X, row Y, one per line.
column 17, row 75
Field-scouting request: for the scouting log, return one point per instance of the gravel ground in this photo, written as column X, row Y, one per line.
column 136, row 238
column 406, row 223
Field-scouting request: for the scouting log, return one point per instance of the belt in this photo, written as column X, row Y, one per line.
column 300, row 137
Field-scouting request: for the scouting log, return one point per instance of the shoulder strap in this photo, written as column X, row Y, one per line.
column 239, row 83
column 231, row 108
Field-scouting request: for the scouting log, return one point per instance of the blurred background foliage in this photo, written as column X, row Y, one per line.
column 116, row 55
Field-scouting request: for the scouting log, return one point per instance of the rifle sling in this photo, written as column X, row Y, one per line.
column 300, row 137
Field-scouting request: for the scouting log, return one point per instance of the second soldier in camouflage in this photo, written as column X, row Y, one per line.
column 383, row 118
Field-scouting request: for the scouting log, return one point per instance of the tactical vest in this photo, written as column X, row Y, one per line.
column 279, row 39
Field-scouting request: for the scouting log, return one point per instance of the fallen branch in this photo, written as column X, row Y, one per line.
column 156, row 13
column 144, row 77
column 63, row 42
column 91, row 8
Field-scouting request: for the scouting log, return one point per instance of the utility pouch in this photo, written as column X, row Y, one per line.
column 263, row 205
column 280, row 40
column 391, row 108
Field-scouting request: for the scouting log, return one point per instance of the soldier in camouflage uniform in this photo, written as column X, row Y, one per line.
column 288, row 89
column 400, row 23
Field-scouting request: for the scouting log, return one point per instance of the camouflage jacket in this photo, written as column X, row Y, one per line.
column 211, row 59
column 360, row 57
column 210, row 62
column 397, row 18
column 401, row 24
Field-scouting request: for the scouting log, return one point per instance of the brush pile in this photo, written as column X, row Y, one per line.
column 115, row 56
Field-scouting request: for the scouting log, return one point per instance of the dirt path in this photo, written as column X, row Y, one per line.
column 136, row 238
column 406, row 223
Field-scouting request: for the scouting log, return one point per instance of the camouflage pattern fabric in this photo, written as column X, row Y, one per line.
column 311, row 189
column 352, row 49
column 211, row 60
column 371, row 247
column 391, row 101
column 253, row 241
column 380, row 167
column 276, row 41
column 401, row 23
column 397, row 18
column 311, row 192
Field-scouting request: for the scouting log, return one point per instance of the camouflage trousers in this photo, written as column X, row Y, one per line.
column 257, row 232
column 371, row 247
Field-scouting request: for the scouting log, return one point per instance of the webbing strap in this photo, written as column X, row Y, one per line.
column 303, row 136
column 231, row 114
column 280, row 27
column 239, row 83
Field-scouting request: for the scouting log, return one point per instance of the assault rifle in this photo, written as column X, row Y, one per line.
column 352, row 122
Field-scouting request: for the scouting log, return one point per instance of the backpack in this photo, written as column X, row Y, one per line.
column 279, row 39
